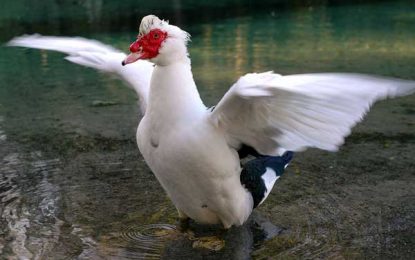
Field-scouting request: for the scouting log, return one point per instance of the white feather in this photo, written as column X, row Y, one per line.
column 273, row 113
column 269, row 178
column 94, row 54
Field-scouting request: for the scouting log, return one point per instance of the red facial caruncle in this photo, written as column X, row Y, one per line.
column 146, row 46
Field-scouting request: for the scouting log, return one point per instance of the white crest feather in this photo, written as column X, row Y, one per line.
column 151, row 22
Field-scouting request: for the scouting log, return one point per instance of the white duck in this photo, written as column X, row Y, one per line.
column 192, row 150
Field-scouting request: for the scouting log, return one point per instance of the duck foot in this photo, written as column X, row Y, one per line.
column 183, row 224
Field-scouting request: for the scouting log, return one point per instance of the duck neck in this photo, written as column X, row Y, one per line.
column 173, row 94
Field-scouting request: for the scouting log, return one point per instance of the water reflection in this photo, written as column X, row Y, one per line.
column 306, row 40
column 30, row 206
column 14, row 214
column 94, row 10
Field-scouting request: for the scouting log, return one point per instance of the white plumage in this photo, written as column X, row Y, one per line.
column 94, row 54
column 269, row 178
column 192, row 150
column 271, row 112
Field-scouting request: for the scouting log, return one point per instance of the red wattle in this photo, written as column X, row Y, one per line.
column 148, row 45
column 135, row 46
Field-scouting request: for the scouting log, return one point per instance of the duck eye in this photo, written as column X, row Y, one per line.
column 156, row 36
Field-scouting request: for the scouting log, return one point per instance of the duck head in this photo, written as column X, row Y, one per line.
column 159, row 42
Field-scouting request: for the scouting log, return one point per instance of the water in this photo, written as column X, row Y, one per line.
column 73, row 184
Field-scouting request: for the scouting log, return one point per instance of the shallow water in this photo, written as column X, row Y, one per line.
column 73, row 184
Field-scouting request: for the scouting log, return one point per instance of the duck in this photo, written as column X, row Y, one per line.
column 195, row 152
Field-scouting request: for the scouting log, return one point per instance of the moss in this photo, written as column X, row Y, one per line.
column 361, row 137
column 100, row 103
column 274, row 246
column 409, row 111
column 164, row 214
column 54, row 141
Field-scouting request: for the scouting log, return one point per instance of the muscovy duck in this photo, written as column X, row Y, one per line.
column 192, row 150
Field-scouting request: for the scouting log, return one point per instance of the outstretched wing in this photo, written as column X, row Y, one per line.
column 273, row 113
column 94, row 54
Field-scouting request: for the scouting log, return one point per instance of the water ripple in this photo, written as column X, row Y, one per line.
column 3, row 136
column 149, row 239
column 29, row 205
column 16, row 217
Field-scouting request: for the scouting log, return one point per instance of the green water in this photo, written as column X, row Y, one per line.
column 72, row 180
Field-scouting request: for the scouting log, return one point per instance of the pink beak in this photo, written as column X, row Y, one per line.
column 135, row 54
column 132, row 57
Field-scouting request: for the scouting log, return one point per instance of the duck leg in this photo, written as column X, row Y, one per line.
column 184, row 221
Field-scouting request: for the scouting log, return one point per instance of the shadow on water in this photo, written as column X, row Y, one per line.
column 73, row 184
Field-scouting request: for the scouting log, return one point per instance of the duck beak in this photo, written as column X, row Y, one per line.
column 136, row 53
column 132, row 57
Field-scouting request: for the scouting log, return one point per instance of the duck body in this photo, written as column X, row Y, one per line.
column 190, row 156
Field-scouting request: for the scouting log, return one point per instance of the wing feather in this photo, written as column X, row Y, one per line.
column 94, row 54
column 273, row 113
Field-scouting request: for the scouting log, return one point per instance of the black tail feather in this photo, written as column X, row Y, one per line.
column 254, row 170
column 287, row 157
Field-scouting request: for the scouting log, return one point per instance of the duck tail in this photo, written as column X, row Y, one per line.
column 287, row 157
column 259, row 175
